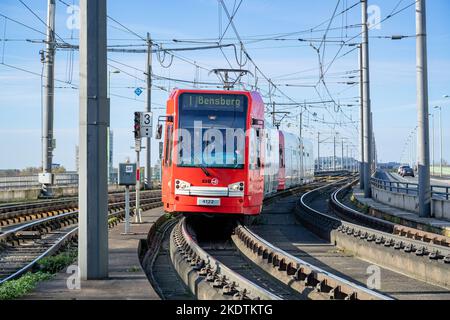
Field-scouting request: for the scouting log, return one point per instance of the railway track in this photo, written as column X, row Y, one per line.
column 245, row 266
column 155, row 259
column 304, row 277
column 349, row 220
column 211, row 278
column 424, row 263
column 412, row 240
column 22, row 246
column 13, row 215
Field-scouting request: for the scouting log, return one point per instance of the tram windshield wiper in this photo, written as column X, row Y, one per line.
column 200, row 164
column 205, row 171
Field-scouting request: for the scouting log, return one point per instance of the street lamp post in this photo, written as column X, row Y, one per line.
column 432, row 145
column 109, row 81
column 110, row 151
column 440, row 138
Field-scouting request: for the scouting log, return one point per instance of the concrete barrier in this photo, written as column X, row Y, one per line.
column 440, row 209
column 421, row 268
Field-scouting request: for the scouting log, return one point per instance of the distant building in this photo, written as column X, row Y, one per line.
column 389, row 165
column 328, row 163
column 56, row 166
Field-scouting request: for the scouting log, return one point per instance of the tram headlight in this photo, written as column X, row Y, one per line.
column 182, row 185
column 236, row 187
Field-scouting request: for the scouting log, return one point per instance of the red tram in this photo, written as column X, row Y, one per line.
column 221, row 157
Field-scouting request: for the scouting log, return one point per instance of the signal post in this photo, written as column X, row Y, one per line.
column 142, row 129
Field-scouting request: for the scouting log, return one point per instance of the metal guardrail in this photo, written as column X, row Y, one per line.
column 380, row 224
column 23, row 182
column 439, row 192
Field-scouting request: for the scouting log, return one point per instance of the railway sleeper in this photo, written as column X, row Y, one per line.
column 229, row 289
column 337, row 294
column 322, row 286
column 28, row 235
column 219, row 282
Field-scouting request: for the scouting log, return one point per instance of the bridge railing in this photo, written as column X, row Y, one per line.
column 438, row 192
column 31, row 181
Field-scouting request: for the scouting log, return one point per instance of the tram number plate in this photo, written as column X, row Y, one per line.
column 208, row 202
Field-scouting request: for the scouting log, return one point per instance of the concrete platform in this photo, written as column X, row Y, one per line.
column 127, row 280
column 403, row 217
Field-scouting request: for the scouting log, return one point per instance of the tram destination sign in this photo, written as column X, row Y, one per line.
column 196, row 101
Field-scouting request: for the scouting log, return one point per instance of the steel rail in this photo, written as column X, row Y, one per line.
column 419, row 248
column 214, row 271
column 33, row 224
column 53, row 249
column 38, row 204
column 52, row 209
column 111, row 206
column 435, row 241
column 307, row 273
column 36, row 223
column 59, row 242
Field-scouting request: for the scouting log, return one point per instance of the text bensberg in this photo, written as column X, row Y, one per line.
column 201, row 100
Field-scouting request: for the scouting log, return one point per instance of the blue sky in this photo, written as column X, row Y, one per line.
column 392, row 68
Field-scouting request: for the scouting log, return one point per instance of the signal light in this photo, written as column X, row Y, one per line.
column 137, row 125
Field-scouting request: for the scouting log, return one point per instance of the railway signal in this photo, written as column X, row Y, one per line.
column 137, row 125
column 143, row 126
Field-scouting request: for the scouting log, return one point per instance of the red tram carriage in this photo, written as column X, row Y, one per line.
column 220, row 156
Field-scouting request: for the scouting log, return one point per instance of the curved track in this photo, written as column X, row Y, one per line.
column 261, row 267
column 363, row 238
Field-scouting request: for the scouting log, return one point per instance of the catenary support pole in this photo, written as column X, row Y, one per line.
column 361, row 120
column 423, row 141
column 94, row 121
column 302, row 153
column 318, row 152
column 49, row 100
column 334, row 153
column 366, row 102
column 148, row 160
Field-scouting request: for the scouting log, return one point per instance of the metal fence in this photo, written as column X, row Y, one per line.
column 29, row 182
column 438, row 192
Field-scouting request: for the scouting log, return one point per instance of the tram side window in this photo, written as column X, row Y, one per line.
column 169, row 146
column 258, row 148
column 282, row 165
